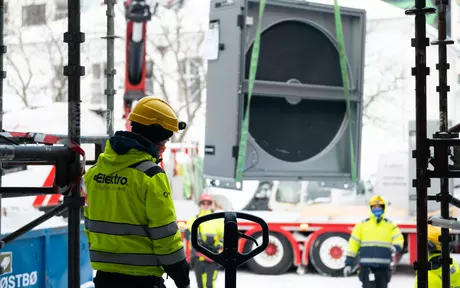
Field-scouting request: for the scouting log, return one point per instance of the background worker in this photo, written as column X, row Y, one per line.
column 434, row 257
column 375, row 239
column 210, row 235
column 130, row 219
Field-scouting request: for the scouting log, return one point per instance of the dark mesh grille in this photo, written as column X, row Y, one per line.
column 295, row 50
column 295, row 132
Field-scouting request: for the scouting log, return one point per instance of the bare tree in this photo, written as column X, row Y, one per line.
column 183, row 47
column 381, row 92
column 30, row 41
column 19, row 79
column 57, row 57
column 388, row 78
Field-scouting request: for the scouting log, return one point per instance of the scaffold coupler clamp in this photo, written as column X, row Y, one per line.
column 69, row 188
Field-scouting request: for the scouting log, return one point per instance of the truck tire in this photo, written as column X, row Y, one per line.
column 328, row 253
column 275, row 260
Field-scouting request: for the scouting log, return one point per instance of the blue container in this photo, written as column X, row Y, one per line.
column 39, row 259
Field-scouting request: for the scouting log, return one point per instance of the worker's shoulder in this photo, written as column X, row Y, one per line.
column 388, row 220
column 149, row 168
column 365, row 220
column 384, row 219
column 391, row 222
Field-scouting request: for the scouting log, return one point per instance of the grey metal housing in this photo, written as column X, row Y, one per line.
column 226, row 86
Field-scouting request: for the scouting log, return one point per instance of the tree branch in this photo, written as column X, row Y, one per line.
column 21, row 88
column 58, row 82
column 183, row 47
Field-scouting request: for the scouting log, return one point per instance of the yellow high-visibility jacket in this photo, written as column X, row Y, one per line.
column 435, row 275
column 130, row 220
column 373, row 240
column 210, row 229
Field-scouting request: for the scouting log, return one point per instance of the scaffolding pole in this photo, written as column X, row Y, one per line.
column 110, row 70
column 74, row 37
column 3, row 76
column 420, row 71
column 442, row 153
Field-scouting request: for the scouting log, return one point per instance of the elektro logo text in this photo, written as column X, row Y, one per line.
column 115, row 179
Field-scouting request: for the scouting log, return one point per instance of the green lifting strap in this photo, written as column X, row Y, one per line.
column 346, row 87
column 252, row 78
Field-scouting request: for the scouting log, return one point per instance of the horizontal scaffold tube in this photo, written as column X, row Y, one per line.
column 445, row 223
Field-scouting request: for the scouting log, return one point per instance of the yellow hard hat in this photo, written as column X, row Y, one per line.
column 377, row 200
column 433, row 238
column 151, row 110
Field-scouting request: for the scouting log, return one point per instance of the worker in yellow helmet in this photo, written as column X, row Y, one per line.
column 130, row 220
column 434, row 257
column 375, row 239
column 210, row 235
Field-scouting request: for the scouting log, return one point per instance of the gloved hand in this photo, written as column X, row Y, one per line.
column 395, row 249
column 179, row 272
column 347, row 271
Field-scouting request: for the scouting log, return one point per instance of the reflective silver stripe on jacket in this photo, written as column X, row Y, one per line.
column 137, row 259
column 375, row 260
column 131, row 229
column 163, row 231
column 146, row 165
column 396, row 236
column 376, row 243
column 356, row 239
column 351, row 254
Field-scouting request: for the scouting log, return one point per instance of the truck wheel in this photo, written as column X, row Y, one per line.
column 275, row 260
column 328, row 253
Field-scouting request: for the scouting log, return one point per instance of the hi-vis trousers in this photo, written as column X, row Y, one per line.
column 206, row 273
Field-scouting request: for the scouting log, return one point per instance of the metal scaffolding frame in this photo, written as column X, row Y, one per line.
column 441, row 142
column 14, row 148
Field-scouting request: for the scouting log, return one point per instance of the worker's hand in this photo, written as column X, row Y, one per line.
column 347, row 271
column 179, row 272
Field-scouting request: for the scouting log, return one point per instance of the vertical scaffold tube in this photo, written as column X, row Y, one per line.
column 3, row 76
column 420, row 71
column 110, row 71
column 74, row 37
column 442, row 157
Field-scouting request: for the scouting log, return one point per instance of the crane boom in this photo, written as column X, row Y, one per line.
column 137, row 14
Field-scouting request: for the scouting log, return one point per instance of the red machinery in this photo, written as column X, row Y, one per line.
column 137, row 13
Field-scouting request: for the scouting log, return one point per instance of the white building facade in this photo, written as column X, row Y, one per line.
column 37, row 54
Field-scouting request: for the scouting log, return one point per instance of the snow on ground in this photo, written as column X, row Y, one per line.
column 401, row 279
column 249, row 280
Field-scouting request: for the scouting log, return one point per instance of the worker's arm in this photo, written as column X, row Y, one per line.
column 397, row 239
column 219, row 239
column 220, row 228
column 354, row 243
column 164, row 231
column 188, row 228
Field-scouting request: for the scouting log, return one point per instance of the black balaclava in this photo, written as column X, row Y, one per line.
column 154, row 133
